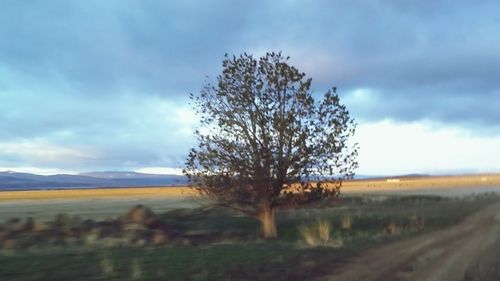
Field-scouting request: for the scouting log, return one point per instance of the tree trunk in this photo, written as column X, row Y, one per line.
column 267, row 223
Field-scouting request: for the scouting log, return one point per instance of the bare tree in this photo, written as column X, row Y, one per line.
column 265, row 142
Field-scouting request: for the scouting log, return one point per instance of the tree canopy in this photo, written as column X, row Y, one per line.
column 266, row 142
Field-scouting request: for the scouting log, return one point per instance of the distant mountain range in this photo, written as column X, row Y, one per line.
column 10, row 180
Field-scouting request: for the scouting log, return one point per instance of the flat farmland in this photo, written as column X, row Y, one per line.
column 91, row 203
column 140, row 192
column 426, row 185
column 439, row 185
column 375, row 219
column 110, row 202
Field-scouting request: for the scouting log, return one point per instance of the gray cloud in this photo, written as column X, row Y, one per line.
column 98, row 76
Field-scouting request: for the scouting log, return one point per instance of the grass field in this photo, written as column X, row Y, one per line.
column 97, row 193
column 105, row 203
column 438, row 185
column 91, row 203
column 88, row 208
column 227, row 246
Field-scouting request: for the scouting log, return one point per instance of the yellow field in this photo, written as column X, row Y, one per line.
column 423, row 183
column 397, row 184
column 142, row 192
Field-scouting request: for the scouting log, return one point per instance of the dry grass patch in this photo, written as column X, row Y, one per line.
column 346, row 223
column 423, row 183
column 97, row 193
column 319, row 234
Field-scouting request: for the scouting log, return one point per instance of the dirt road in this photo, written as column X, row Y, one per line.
column 445, row 255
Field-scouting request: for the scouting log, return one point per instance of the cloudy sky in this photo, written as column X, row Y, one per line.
column 103, row 85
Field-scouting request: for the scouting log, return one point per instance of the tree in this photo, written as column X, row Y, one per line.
column 265, row 142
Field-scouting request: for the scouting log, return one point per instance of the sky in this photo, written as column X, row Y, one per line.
column 104, row 85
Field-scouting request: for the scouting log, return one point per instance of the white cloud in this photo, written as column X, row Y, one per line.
column 40, row 151
column 37, row 170
column 160, row 170
column 424, row 147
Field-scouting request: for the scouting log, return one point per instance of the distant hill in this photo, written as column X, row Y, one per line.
column 120, row 175
column 10, row 180
column 373, row 177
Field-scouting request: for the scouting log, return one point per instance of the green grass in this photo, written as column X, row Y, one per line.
column 87, row 208
column 221, row 245
column 252, row 261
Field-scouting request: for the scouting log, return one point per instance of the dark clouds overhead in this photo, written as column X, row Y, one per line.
column 98, row 76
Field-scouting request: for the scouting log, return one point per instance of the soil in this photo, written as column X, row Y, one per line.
column 443, row 255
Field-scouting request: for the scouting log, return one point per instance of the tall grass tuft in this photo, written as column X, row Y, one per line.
column 392, row 229
column 107, row 268
column 346, row 223
column 316, row 234
column 416, row 222
column 136, row 270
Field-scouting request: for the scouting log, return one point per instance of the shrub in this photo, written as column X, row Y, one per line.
column 392, row 229
column 316, row 234
column 107, row 267
column 416, row 222
column 346, row 223
column 136, row 270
